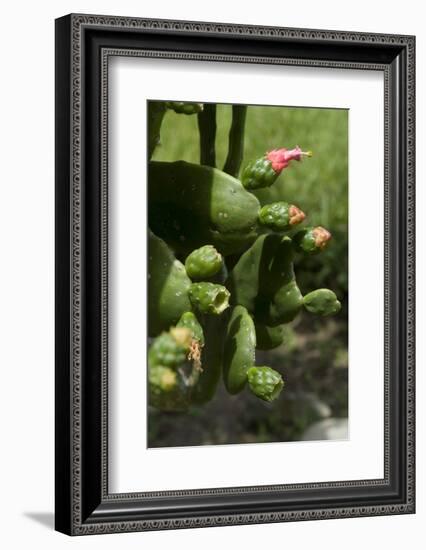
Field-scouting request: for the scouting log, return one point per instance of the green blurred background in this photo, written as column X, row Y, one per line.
column 313, row 358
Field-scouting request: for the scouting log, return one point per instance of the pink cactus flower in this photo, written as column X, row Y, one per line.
column 280, row 158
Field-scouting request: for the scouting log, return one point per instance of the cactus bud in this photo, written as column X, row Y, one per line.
column 185, row 108
column 189, row 321
column 167, row 390
column 264, row 171
column 182, row 336
column 311, row 240
column 265, row 383
column 164, row 377
column 203, row 263
column 170, row 349
column 280, row 216
column 209, row 298
column 322, row 302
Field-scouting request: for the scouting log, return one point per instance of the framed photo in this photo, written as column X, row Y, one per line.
column 234, row 274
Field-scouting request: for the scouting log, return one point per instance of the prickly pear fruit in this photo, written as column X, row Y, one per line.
column 239, row 349
column 265, row 383
column 167, row 389
column 322, row 302
column 186, row 108
column 209, row 297
column 192, row 205
column 268, row 337
column 189, row 321
column 263, row 281
column 203, row 263
column 168, row 286
column 311, row 240
column 264, row 171
column 280, row 216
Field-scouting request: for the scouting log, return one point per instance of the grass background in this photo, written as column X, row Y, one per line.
column 313, row 359
column 320, row 188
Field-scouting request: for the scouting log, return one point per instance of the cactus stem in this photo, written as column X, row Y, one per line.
column 207, row 131
column 236, row 141
column 156, row 112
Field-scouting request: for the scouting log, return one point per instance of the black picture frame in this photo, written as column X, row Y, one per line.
column 83, row 45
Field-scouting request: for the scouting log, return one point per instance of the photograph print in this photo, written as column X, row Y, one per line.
column 247, row 274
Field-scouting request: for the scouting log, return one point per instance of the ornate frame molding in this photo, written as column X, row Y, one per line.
column 72, row 47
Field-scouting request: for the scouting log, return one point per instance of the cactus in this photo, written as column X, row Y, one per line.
column 214, row 329
column 265, row 383
column 234, row 253
column 264, row 171
column 322, row 302
column 174, row 364
column 167, row 389
column 264, row 282
column 209, row 297
column 185, row 108
column 239, row 352
column 280, row 216
column 156, row 112
column 268, row 337
column 190, row 321
column 192, row 205
column 168, row 286
column 236, row 141
column 207, row 131
column 203, row 263
column 311, row 240
column 170, row 349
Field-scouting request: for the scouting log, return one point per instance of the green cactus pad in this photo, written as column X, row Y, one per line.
column 189, row 321
column 209, row 298
column 263, row 281
column 168, row 286
column 221, row 276
column 259, row 173
column 265, row 383
column 185, row 108
column 280, row 216
column 167, row 389
column 239, row 350
column 311, row 240
column 268, row 337
column 192, row 205
column 214, row 328
column 203, row 263
column 322, row 302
